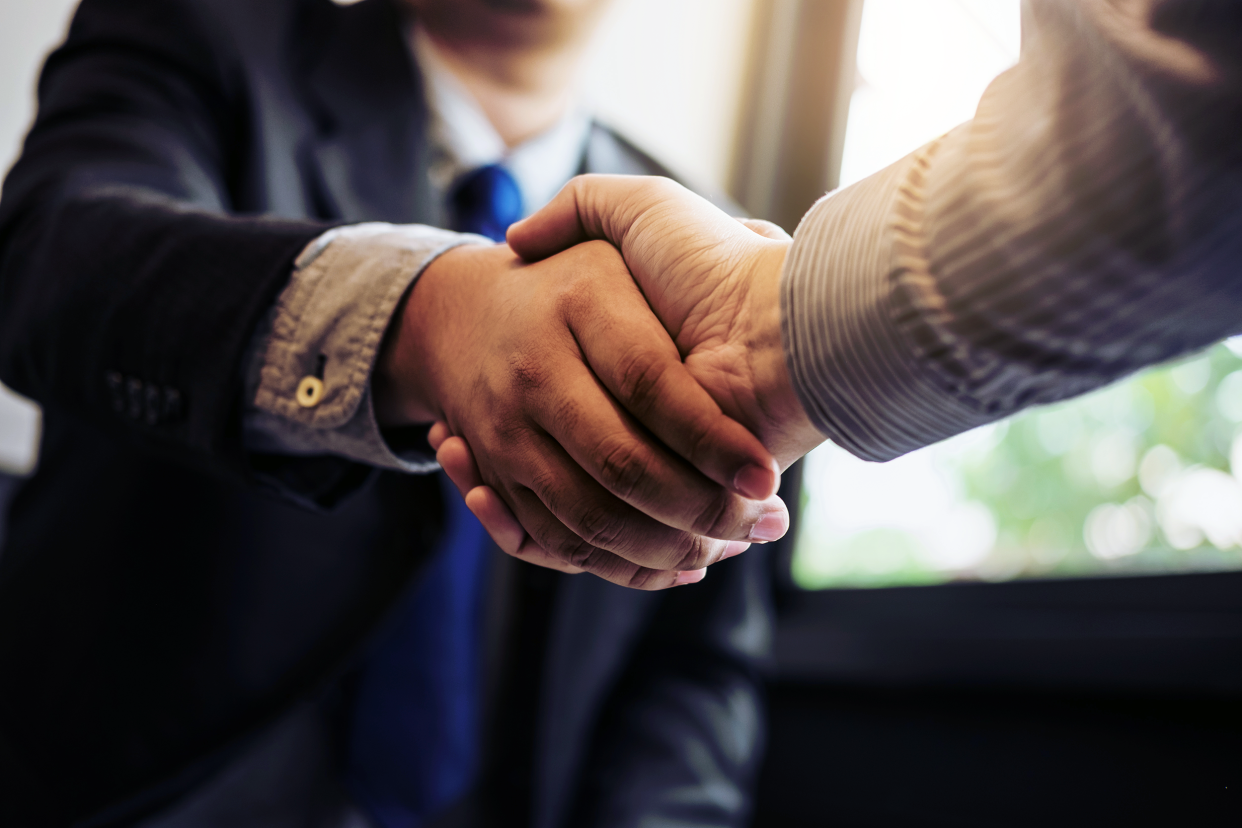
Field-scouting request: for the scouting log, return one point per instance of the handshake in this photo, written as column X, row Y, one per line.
column 609, row 390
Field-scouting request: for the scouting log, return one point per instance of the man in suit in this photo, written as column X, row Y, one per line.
column 232, row 573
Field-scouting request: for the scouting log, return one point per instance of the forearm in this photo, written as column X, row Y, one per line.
column 1078, row 229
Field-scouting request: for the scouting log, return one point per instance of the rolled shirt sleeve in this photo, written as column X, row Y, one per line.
column 1082, row 226
column 309, row 367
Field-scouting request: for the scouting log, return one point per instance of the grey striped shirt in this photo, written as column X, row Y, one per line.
column 1085, row 224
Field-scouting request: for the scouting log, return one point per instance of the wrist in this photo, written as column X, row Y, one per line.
column 788, row 431
column 403, row 385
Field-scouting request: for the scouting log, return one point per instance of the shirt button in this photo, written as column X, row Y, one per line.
column 310, row 392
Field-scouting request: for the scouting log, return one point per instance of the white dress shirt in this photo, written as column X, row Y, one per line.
column 463, row 139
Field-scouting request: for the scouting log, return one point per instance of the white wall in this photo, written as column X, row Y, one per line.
column 922, row 67
column 30, row 29
column 666, row 72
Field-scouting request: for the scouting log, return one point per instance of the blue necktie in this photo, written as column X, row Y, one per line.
column 485, row 201
column 413, row 743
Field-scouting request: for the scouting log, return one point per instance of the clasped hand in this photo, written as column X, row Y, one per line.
column 604, row 405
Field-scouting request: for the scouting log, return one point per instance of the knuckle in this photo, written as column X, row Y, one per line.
column 582, row 181
column 645, row 579
column 575, row 295
column 639, row 377
column 600, row 527
column 527, row 374
column 700, row 552
column 661, row 185
column 622, row 468
column 575, row 552
column 620, row 571
column 567, row 414
column 557, row 541
column 508, row 428
column 717, row 518
column 700, row 436
column 546, row 483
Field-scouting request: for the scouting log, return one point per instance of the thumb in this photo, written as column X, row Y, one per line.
column 556, row 227
column 590, row 207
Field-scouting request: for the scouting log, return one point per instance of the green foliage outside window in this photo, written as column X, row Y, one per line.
column 1142, row 477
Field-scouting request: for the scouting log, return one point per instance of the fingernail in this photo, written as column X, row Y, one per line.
column 692, row 576
column 770, row 527
column 734, row 548
column 754, row 482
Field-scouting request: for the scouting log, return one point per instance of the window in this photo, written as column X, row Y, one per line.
column 1144, row 476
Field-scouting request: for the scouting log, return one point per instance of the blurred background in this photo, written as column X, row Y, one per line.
column 1034, row 621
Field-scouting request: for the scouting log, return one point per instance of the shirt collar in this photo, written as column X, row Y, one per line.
column 463, row 139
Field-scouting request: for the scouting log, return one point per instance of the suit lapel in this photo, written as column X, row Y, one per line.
column 607, row 153
column 369, row 150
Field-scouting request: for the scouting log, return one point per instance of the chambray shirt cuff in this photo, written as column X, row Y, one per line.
column 328, row 325
column 854, row 367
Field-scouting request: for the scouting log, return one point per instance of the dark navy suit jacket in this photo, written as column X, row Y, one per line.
column 161, row 599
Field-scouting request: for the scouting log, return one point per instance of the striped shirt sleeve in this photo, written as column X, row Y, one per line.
column 1085, row 224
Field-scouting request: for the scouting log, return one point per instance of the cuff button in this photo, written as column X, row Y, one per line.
column 310, row 392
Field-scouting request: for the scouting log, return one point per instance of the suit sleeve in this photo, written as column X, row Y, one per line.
column 682, row 735
column 1082, row 226
column 128, row 288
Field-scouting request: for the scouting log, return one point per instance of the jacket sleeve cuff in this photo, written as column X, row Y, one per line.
column 854, row 368
column 309, row 368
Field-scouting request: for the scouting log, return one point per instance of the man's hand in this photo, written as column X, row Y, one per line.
column 714, row 284
column 585, row 425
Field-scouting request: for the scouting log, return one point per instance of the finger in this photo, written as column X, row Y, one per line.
column 458, row 463
column 508, row 534
column 555, row 227
column 631, row 353
column 588, row 518
column 691, row 577
column 585, row 506
column 438, row 433
column 550, row 534
column 513, row 540
column 615, row 461
column 765, row 228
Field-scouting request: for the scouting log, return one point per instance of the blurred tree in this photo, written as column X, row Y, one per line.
column 1142, row 476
